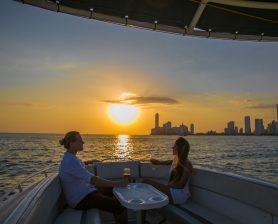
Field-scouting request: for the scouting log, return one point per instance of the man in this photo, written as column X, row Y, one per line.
column 83, row 190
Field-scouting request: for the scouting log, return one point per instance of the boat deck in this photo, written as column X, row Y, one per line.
column 216, row 198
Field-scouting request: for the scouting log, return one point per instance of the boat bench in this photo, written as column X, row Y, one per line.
column 193, row 213
column 73, row 216
column 218, row 198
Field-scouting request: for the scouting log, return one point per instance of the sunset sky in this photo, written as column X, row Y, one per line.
column 59, row 73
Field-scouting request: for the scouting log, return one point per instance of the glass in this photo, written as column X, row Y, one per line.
column 127, row 172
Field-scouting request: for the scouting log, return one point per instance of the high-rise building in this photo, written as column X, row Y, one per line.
column 156, row 120
column 277, row 112
column 259, row 126
column 271, row 128
column 230, row 130
column 247, row 125
column 192, row 129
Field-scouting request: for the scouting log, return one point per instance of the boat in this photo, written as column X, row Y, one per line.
column 216, row 197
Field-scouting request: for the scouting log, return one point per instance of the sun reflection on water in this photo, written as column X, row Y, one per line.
column 124, row 147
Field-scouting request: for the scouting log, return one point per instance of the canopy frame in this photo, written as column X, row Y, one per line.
column 200, row 17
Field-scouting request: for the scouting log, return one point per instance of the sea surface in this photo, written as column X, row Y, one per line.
column 253, row 156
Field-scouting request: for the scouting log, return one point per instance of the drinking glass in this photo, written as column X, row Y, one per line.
column 127, row 172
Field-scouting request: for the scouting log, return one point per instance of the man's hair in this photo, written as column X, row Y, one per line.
column 69, row 137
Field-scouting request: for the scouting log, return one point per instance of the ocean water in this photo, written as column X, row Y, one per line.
column 252, row 156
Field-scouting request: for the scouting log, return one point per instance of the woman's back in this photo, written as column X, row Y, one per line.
column 179, row 188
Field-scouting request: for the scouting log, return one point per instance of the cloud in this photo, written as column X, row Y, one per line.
column 153, row 99
column 10, row 103
column 261, row 106
column 31, row 106
column 143, row 100
column 263, row 103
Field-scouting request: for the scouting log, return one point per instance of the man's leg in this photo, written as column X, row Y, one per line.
column 110, row 204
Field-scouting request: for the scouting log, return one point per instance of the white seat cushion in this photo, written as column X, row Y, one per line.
column 92, row 216
column 69, row 216
column 73, row 216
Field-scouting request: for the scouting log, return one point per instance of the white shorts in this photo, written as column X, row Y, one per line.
column 180, row 196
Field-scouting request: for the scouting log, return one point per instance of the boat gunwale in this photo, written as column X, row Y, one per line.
column 18, row 185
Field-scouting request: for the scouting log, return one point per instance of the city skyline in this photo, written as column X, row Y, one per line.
column 59, row 73
column 259, row 127
column 231, row 129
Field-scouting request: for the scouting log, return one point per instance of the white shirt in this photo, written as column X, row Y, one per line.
column 75, row 179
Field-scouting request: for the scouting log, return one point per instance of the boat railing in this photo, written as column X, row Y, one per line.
column 19, row 185
column 114, row 159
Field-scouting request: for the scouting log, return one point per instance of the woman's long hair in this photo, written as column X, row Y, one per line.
column 182, row 147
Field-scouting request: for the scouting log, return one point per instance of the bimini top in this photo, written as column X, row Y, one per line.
column 225, row 19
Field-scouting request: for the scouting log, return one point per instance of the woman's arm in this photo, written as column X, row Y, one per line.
column 101, row 182
column 159, row 162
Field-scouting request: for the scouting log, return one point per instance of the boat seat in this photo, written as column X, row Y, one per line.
column 159, row 173
column 176, row 215
column 114, row 170
column 193, row 213
column 73, row 216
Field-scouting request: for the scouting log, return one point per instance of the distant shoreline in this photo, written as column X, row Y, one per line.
column 197, row 134
column 222, row 134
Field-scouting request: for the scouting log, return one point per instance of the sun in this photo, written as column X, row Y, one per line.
column 123, row 114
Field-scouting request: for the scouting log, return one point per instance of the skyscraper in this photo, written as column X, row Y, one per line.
column 230, row 130
column 277, row 112
column 259, row 126
column 247, row 125
column 192, row 129
column 156, row 120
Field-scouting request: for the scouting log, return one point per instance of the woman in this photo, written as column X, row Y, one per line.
column 177, row 188
column 83, row 190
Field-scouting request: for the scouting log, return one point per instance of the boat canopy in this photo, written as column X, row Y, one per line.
column 225, row 19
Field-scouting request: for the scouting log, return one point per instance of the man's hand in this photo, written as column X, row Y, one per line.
column 123, row 183
column 101, row 182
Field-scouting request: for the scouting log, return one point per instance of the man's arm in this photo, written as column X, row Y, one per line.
column 101, row 182
column 91, row 161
